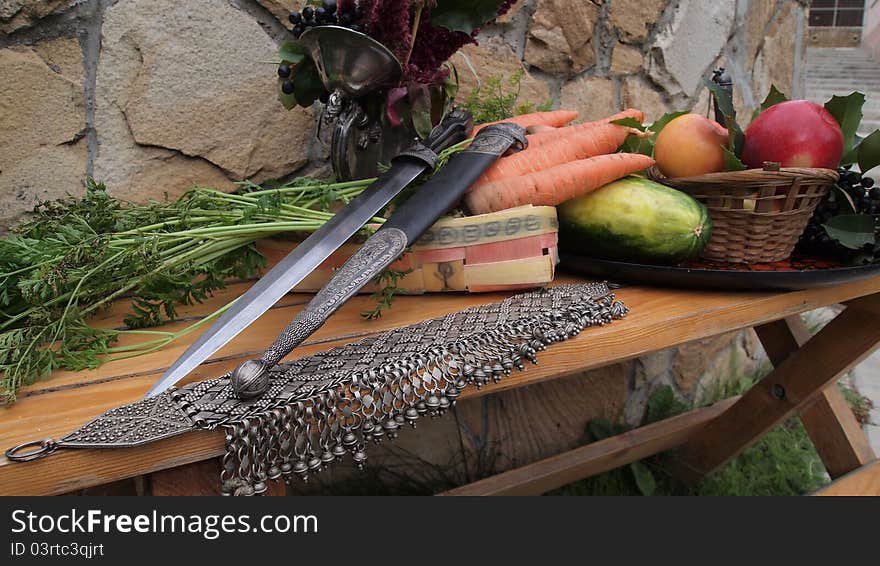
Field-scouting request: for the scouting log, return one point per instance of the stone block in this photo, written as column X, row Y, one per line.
column 694, row 358
column 774, row 61
column 639, row 93
column 560, row 40
column 281, row 9
column 19, row 14
column 626, row 60
column 182, row 97
column 633, row 19
column 690, row 44
column 593, row 97
column 42, row 125
column 494, row 58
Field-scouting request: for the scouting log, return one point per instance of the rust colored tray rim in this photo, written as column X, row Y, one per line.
column 717, row 279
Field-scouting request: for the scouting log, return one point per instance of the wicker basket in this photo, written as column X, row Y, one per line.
column 758, row 214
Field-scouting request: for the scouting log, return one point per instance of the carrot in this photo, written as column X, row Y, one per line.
column 557, row 184
column 555, row 118
column 599, row 140
column 540, row 138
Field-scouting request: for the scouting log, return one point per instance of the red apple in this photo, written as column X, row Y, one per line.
column 795, row 133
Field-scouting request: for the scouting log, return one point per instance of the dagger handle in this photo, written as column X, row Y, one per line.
column 379, row 251
column 251, row 378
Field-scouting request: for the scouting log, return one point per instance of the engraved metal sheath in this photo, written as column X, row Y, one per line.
column 408, row 222
column 328, row 406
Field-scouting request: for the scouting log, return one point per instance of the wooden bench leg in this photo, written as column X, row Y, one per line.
column 828, row 419
column 790, row 387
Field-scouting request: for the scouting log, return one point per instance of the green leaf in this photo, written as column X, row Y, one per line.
column 661, row 122
column 420, row 105
column 661, row 405
column 292, row 52
column 852, row 231
column 775, row 96
column 288, row 100
column 844, row 201
column 645, row 146
column 464, row 15
column 725, row 104
column 644, row 478
column 600, row 429
column 847, row 110
column 869, row 152
column 852, row 156
column 630, row 123
column 307, row 83
column 732, row 162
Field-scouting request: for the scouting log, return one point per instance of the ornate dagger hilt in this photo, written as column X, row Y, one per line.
column 251, row 378
column 409, row 221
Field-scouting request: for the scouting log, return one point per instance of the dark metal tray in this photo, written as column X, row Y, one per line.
column 780, row 276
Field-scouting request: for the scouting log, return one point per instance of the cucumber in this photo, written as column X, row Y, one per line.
column 635, row 219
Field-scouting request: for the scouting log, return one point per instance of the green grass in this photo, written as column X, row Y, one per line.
column 783, row 462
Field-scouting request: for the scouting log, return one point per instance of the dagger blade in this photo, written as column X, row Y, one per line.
column 291, row 270
column 406, row 224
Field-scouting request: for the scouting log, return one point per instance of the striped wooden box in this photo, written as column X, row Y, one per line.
column 511, row 249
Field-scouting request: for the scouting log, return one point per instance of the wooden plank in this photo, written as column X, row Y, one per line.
column 198, row 478
column 837, row 435
column 842, row 344
column 860, row 482
column 659, row 319
column 562, row 469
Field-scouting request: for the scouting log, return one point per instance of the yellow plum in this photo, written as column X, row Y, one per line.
column 690, row 145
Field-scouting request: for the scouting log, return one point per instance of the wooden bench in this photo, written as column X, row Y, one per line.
column 803, row 382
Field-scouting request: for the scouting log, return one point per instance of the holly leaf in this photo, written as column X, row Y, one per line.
column 725, row 105
column 732, row 162
column 775, row 96
column 292, row 53
column 852, row 231
column 661, row 122
column 869, row 152
column 464, row 15
column 847, row 110
column 629, row 123
column 645, row 146
column 852, row 156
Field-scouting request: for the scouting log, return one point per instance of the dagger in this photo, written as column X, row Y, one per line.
column 406, row 224
column 308, row 255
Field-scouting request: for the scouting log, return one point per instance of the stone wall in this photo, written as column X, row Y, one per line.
column 153, row 96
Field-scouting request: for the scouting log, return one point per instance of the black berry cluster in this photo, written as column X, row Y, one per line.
column 865, row 198
column 326, row 15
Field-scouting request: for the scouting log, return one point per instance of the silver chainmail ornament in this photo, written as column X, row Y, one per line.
column 321, row 407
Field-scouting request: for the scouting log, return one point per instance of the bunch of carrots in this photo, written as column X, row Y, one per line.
column 561, row 162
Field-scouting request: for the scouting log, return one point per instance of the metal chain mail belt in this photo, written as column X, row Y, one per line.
column 321, row 407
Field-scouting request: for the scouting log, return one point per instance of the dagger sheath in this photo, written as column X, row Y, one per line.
column 407, row 223
column 308, row 255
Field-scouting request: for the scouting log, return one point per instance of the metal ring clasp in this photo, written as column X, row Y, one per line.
column 17, row 454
